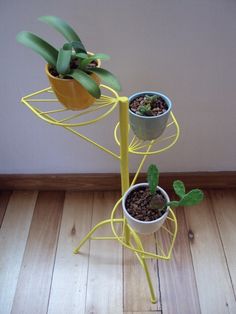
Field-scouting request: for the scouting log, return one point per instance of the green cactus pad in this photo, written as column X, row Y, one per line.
column 192, row 198
column 153, row 178
column 179, row 188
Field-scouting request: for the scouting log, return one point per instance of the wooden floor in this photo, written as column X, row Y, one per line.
column 39, row 274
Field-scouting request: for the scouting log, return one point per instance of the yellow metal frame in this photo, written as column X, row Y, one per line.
column 128, row 143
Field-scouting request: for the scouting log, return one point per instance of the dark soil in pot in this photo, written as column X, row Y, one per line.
column 157, row 107
column 138, row 204
column 73, row 65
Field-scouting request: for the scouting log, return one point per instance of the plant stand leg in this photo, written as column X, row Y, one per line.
column 142, row 261
column 153, row 296
column 90, row 233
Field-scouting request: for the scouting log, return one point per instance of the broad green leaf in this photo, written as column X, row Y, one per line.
column 179, row 188
column 96, row 56
column 173, row 204
column 67, row 46
column 101, row 56
column 107, row 77
column 87, row 82
column 40, row 46
column 192, row 198
column 152, row 178
column 82, row 55
column 63, row 61
column 61, row 26
column 78, row 47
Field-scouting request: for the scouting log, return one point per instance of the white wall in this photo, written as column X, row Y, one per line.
column 185, row 48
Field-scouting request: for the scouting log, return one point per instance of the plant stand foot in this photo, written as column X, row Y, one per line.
column 142, row 261
column 153, row 296
column 89, row 235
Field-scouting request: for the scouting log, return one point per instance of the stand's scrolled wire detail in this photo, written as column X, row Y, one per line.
column 44, row 105
column 61, row 116
column 51, row 111
column 163, row 143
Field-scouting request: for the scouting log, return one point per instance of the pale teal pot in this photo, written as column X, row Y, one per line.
column 149, row 128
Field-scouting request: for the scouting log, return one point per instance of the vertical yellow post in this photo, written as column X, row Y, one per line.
column 124, row 170
column 124, row 157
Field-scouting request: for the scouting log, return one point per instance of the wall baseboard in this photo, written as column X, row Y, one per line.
column 111, row 181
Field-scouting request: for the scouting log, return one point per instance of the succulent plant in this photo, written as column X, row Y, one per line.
column 72, row 59
column 146, row 107
column 193, row 197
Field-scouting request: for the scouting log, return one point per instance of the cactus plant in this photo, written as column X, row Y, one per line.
column 145, row 109
column 146, row 205
column 148, row 114
column 193, row 197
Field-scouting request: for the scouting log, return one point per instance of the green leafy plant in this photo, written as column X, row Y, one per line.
column 72, row 59
column 145, row 108
column 193, row 197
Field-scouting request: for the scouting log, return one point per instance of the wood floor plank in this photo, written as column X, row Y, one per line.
column 136, row 290
column 152, row 312
column 177, row 279
column 207, row 231
column 13, row 238
column 33, row 287
column 212, row 277
column 68, row 291
column 224, row 205
column 104, row 289
column 4, row 199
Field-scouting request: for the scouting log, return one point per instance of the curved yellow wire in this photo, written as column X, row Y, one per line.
column 143, row 253
column 44, row 116
column 134, row 146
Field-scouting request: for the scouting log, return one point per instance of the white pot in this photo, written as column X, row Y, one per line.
column 144, row 227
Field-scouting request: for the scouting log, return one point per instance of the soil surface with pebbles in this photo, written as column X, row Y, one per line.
column 138, row 204
column 73, row 65
column 158, row 107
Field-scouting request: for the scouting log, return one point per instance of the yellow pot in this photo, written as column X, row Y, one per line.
column 70, row 92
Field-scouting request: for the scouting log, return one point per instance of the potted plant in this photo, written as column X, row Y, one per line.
column 146, row 205
column 73, row 72
column 148, row 114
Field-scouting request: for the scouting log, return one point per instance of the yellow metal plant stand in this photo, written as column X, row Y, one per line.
column 45, row 105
